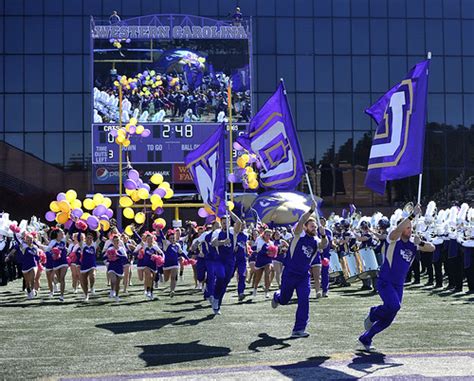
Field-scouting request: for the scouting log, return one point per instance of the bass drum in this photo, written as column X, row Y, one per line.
column 370, row 266
column 351, row 267
column 335, row 268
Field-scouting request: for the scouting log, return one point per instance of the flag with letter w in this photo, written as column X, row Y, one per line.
column 398, row 144
column 272, row 137
column 207, row 167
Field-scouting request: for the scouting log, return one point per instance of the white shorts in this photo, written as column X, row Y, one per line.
column 61, row 266
column 171, row 267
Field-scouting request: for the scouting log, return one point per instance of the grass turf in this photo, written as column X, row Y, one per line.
column 44, row 337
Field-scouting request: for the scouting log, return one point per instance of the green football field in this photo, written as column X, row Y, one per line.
column 46, row 338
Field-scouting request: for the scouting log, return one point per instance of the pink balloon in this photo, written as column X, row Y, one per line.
column 202, row 213
column 133, row 175
column 50, row 216
column 146, row 133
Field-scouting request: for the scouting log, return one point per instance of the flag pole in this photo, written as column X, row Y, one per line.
column 231, row 164
column 305, row 170
column 420, row 176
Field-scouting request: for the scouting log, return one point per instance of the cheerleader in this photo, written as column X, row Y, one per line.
column 57, row 246
column 116, row 258
column 88, row 262
column 29, row 261
column 140, row 257
column 264, row 261
column 41, row 263
column 128, row 266
column 241, row 253
column 74, row 262
column 173, row 251
column 198, row 255
column 150, row 252
column 279, row 261
column 252, row 254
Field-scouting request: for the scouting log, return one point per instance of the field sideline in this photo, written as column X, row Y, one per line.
column 181, row 338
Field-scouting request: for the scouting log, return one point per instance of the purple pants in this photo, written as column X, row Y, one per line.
column 211, row 278
column 383, row 315
column 223, row 271
column 241, row 268
column 301, row 283
column 325, row 279
column 200, row 269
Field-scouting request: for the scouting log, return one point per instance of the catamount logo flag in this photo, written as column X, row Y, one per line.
column 397, row 147
column 207, row 167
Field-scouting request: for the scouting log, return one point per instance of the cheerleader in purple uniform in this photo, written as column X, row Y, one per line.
column 198, row 255
column 49, row 269
column 173, row 251
column 264, row 262
column 57, row 246
column 88, row 263
column 127, row 268
column 74, row 262
column 150, row 252
column 29, row 261
column 116, row 258
column 252, row 254
column 279, row 261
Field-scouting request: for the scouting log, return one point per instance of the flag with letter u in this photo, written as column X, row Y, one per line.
column 272, row 137
column 207, row 167
column 398, row 144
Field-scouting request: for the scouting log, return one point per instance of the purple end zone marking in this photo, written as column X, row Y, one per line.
column 308, row 364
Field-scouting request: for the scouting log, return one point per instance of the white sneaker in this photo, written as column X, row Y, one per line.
column 254, row 292
column 161, row 278
column 298, row 334
column 125, row 292
column 117, row 299
column 61, row 298
column 217, row 312
column 319, row 295
column 199, row 286
column 93, row 291
column 74, row 291
column 30, row 295
column 35, row 292
column 55, row 288
column 152, row 297
column 51, row 294
column 325, row 295
column 145, row 293
column 267, row 295
column 86, row 298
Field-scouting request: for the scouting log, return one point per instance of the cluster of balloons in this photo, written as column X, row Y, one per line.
column 207, row 212
column 123, row 135
column 117, row 42
column 245, row 171
column 146, row 83
column 67, row 209
column 137, row 190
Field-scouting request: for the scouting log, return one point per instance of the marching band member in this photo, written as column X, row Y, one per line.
column 398, row 258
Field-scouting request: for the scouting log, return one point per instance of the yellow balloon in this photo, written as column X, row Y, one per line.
column 169, row 193
column 155, row 198
column 128, row 213
column 253, row 184
column 98, row 198
column 105, row 225
column 157, row 179
column 245, row 157
column 71, row 195
column 85, row 216
column 76, row 204
column 121, row 132
column 64, row 207
column 143, row 194
column 88, row 204
column 129, row 191
column 252, row 176
column 107, row 202
column 127, row 127
column 119, row 139
column 133, row 121
column 62, row 217
column 165, row 185
column 135, row 197
column 129, row 231
column 139, row 129
column 249, row 170
column 125, row 201
column 230, row 205
column 126, row 143
column 240, row 163
column 140, row 218
column 160, row 221
column 54, row 206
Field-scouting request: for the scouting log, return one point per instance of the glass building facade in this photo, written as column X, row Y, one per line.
column 337, row 57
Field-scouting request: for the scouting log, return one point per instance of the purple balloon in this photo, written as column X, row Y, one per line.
column 232, row 178
column 245, row 185
column 77, row 212
column 203, row 213
column 133, row 85
column 130, row 184
column 159, row 211
column 160, row 192
column 145, row 186
column 128, row 40
column 133, row 175
column 93, row 222
column 252, row 159
column 99, row 210
column 50, row 216
column 139, row 182
column 145, row 73
column 61, row 196
column 237, row 146
column 146, row 133
column 68, row 224
column 132, row 129
column 104, row 217
column 111, row 40
column 210, row 219
column 258, row 164
column 114, row 133
column 109, row 213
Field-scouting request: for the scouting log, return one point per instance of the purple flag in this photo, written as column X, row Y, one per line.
column 398, row 144
column 272, row 137
column 207, row 167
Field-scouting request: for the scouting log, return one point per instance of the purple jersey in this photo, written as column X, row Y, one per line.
column 398, row 258
column 302, row 249
column 241, row 247
column 88, row 257
column 226, row 252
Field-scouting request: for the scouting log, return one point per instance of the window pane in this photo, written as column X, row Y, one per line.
column 436, row 108
column 14, row 31
column 342, row 36
column 343, row 112
column 286, row 9
column 416, row 40
column 53, row 7
column 53, row 30
column 360, row 103
column 437, row 74
column 378, row 8
column 467, row 33
column 454, row 137
column 2, row 115
column 451, row 9
column 14, row 74
column 305, row 112
column 416, row 8
column 434, row 8
column 341, row 8
column 132, row 8
column 304, row 36
column 286, row 70
column 34, row 144
column 285, row 36
column 73, row 31
column 397, row 36
column 13, row 112
column 398, row 69
column 344, row 147
column 73, row 73
column 453, row 74
column 53, row 148
column 325, row 147
column 467, row 9
column 302, row 8
column 360, row 36
column 53, row 112
column 16, row 140
column 323, row 72
column 33, row 112
column 434, row 37
column 150, row 7
column 304, row 73
column 469, row 111
column 307, row 145
column 86, row 78
column 360, row 73
column 34, row 31
column 396, row 8
column 73, row 112
column 266, row 35
column 322, row 8
column 342, row 69
column 379, row 74
column 34, row 7
column 324, row 112
column 74, row 153
column 266, row 7
column 453, row 109
column 53, row 73
column 360, row 8
column 34, row 74
column 452, row 37
column 435, row 146
column 322, row 36
column 362, row 145
column 469, row 145
column 87, row 149
column 378, row 36
column 266, row 73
